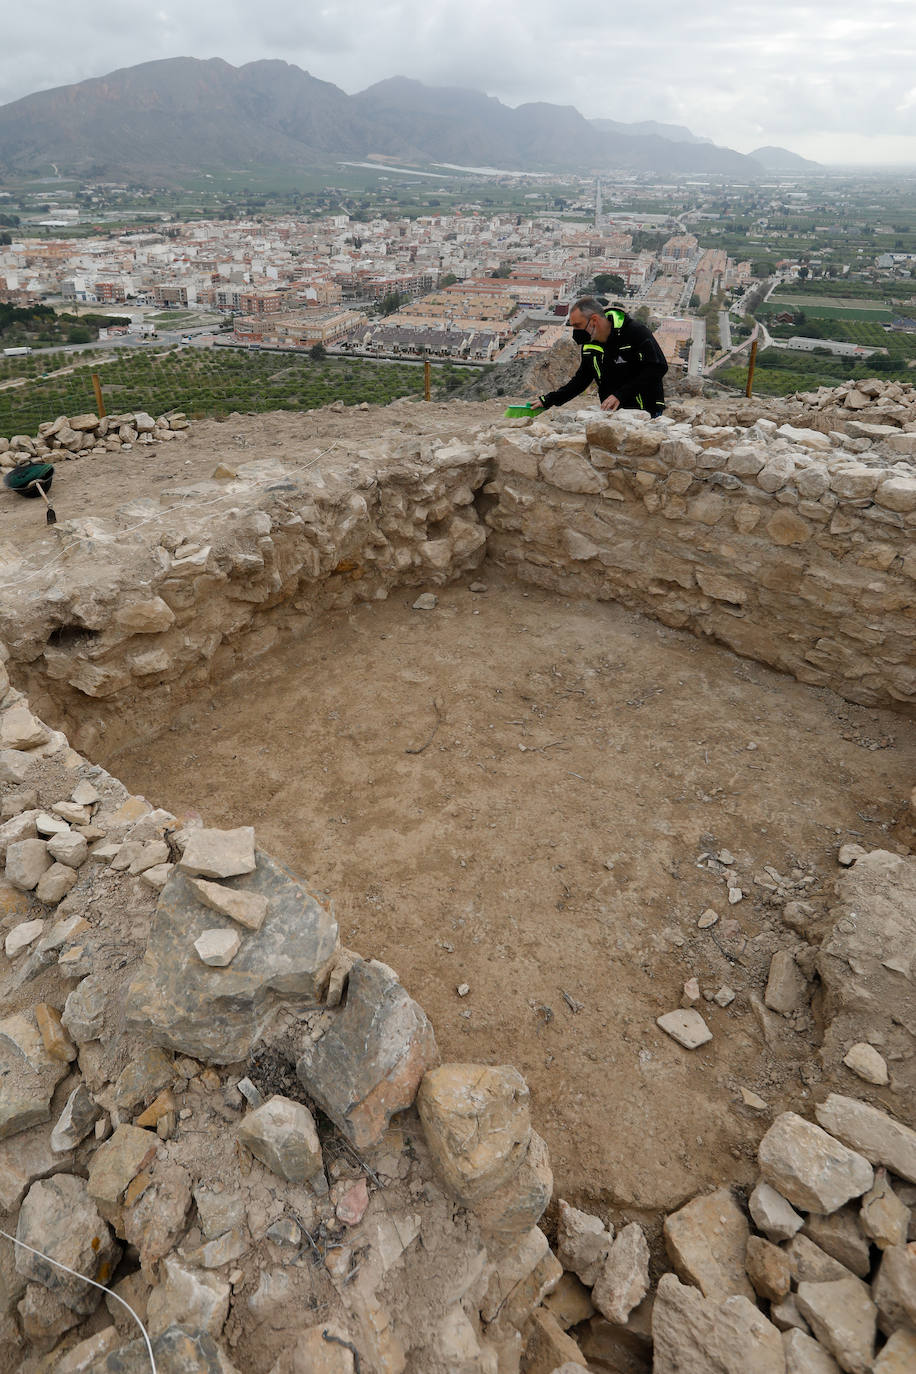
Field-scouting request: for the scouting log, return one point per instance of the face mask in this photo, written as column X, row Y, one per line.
column 581, row 336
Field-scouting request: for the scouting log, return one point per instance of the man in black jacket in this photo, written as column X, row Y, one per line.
column 618, row 353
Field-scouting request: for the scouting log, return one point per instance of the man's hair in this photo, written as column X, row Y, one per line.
column 587, row 306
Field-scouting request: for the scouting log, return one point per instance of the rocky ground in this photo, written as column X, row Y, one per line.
column 671, row 887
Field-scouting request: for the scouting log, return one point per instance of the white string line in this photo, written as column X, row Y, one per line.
column 101, row 1287
column 189, row 506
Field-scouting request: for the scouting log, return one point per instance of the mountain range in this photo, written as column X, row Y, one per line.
column 161, row 120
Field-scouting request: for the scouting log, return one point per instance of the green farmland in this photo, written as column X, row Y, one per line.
column 817, row 307
column 213, row 382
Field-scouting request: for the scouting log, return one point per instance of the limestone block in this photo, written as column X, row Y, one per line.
column 899, row 1355
column 894, row 1289
column 840, row 1235
column 477, row 1124
column 811, row 1169
column 871, row 1132
column 83, row 1357
column 118, row 1161
column 624, row 1278
column 28, row 1075
column 19, row 729
column 149, row 1071
column 885, row 1218
column 216, row 1014
column 83, row 1015
column 43, row 1318
column 55, row 883
column 768, row 1269
column 26, row 861
column 692, row 1334
column 219, row 1212
column 519, row 1204
column 867, row 1063
column 583, row 1242
column 784, row 529
column 17, row 828
column 570, row 473
column 312, row 1354
column 217, row 948
column 570, row 1302
column 76, row 1120
column 178, row 1350
column 21, row 937
column 548, row 1348
column 187, row 1297
column 855, row 481
column 706, row 1242
column 247, row 908
column 811, row 1264
column 68, row 848
column 59, row 1218
column 897, row 493
column 219, row 853
column 776, row 472
column 804, row 1355
column 370, row 1061
column 24, row 1158
column 787, row 987
column 686, row 1026
column 776, row 1218
column 282, row 1135
column 843, row 1318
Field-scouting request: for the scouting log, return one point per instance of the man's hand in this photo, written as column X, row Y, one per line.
column 534, row 402
column 610, row 403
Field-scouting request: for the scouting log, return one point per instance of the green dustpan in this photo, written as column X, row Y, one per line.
column 521, row 412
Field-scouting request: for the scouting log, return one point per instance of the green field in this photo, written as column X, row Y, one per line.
column 832, row 308
column 213, row 382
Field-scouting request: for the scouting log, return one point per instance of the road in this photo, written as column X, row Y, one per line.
column 725, row 331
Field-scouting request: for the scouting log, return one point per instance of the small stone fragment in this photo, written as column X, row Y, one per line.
column 218, row 948
column 708, row 918
column 19, row 729
column 885, row 1219
column 724, row 997
column 768, row 1269
column 624, row 1278
column 69, row 848
column 848, row 854
column 787, row 988
column 21, row 936
column 247, row 908
column 282, row 1135
column 84, row 1010
column 772, row 1214
column 751, row 1099
column 76, row 1120
column 352, row 1206
column 687, row 1027
column 118, row 1161
column 583, row 1243
column 187, row 1297
column 219, row 853
column 865, row 1061
column 426, row 601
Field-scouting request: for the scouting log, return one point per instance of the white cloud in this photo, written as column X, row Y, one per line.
column 826, row 73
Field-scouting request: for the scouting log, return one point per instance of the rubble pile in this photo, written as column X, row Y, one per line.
column 890, row 406
column 76, row 436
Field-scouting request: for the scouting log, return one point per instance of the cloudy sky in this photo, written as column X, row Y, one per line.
column 830, row 79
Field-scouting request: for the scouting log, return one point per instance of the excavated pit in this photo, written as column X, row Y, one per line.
column 515, row 791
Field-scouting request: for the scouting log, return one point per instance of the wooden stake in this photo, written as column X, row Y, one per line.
column 426, row 379
column 100, row 404
column 750, row 369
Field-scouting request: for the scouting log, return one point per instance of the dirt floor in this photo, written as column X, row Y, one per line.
column 534, row 798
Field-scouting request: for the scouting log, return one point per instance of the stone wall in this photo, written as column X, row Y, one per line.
column 776, row 541
column 149, row 606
